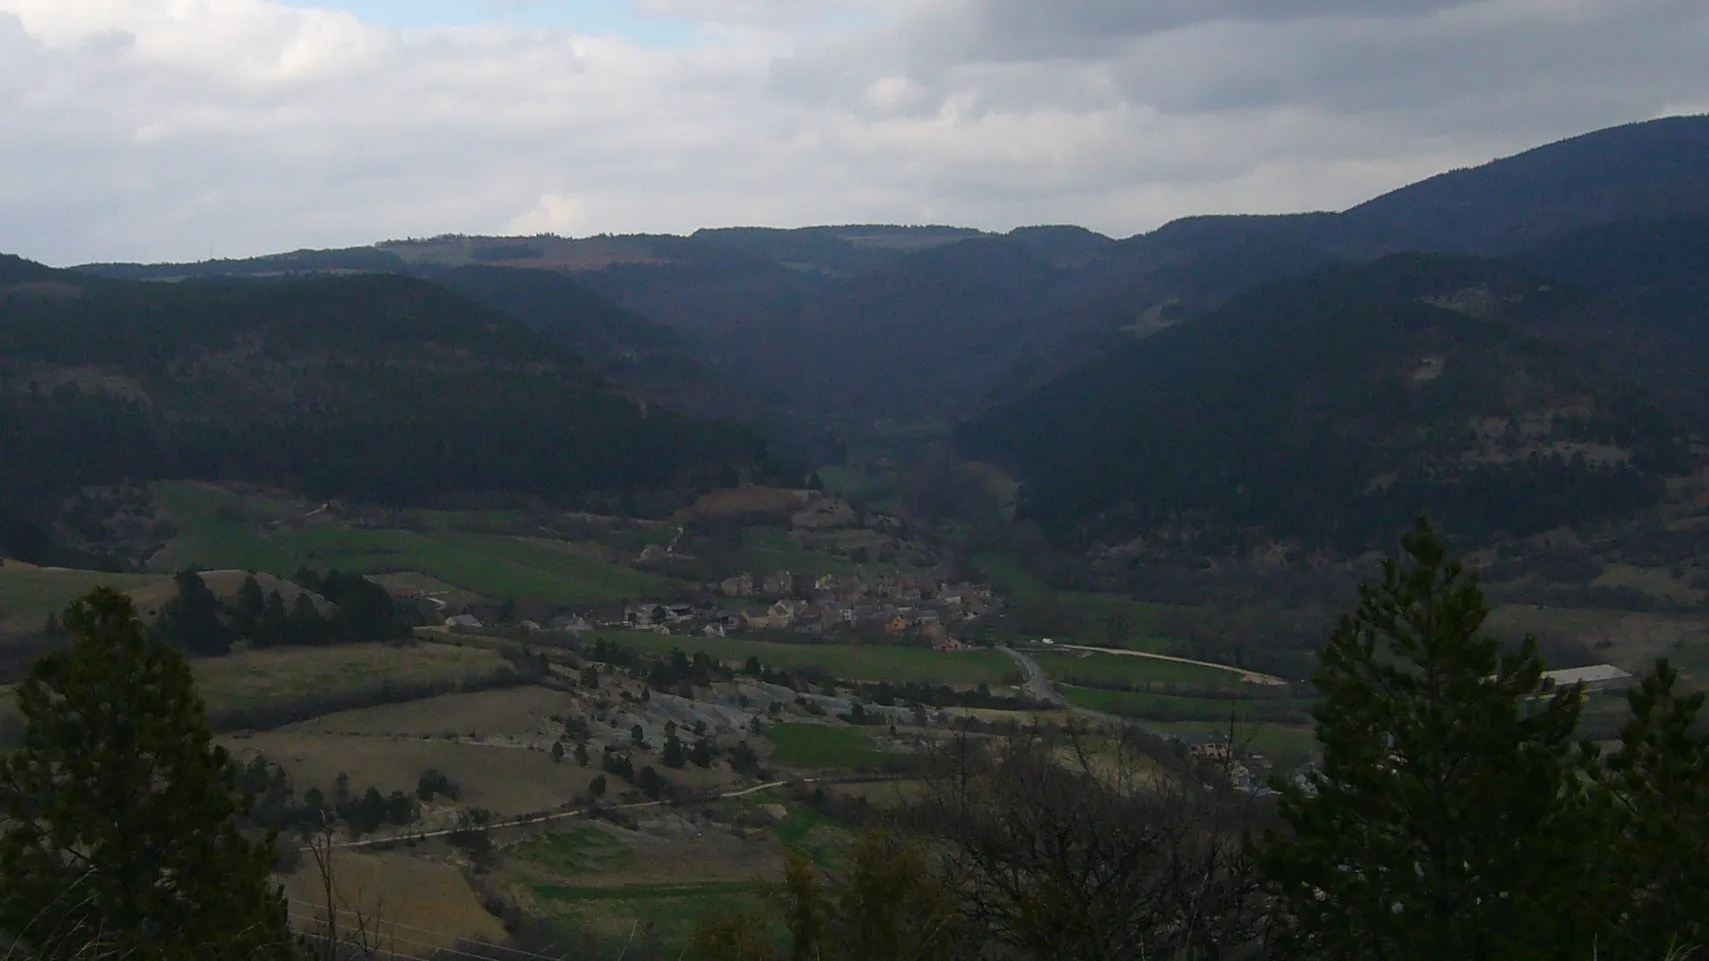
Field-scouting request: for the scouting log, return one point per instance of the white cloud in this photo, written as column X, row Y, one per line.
column 156, row 129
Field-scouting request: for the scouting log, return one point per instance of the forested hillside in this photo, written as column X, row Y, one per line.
column 373, row 387
column 1328, row 410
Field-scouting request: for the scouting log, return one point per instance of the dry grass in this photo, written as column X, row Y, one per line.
column 284, row 675
column 505, row 780
column 416, row 894
column 517, row 714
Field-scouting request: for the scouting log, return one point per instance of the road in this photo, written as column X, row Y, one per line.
column 1040, row 687
column 528, row 819
column 1250, row 677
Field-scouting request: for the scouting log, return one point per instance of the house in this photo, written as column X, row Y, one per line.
column 405, row 593
column 742, row 585
column 678, row 612
column 713, row 629
column 571, row 622
column 948, row 644
column 896, row 625
column 645, row 616
column 1596, row 677
column 462, row 620
column 779, row 584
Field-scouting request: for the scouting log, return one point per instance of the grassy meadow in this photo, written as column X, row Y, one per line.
column 28, row 594
column 1113, row 670
column 219, row 529
column 820, row 747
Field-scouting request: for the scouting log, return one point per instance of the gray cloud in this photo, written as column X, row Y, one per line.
column 136, row 129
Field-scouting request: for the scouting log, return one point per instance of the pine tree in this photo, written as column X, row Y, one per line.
column 1440, row 824
column 1651, row 801
column 673, row 755
column 274, row 627
column 307, row 626
column 581, row 755
column 120, row 816
column 248, row 607
column 191, row 620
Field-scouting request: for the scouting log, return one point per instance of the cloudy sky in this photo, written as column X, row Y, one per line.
column 176, row 129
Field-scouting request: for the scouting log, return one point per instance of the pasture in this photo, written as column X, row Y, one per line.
column 858, row 662
column 822, row 747
column 1170, row 708
column 330, row 678
column 425, row 904
column 28, row 594
column 1086, row 669
column 218, row 529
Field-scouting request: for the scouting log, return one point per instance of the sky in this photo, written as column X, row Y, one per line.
column 181, row 129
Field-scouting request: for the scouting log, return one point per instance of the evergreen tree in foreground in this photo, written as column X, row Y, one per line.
column 1650, row 803
column 1443, row 823
column 120, row 838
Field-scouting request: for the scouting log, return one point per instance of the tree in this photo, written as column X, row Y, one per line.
column 701, row 753
column 1651, row 800
column 274, row 627
column 557, row 752
column 121, row 832
column 307, row 625
column 1072, row 850
column 637, row 735
column 596, row 787
column 581, row 755
column 887, row 905
column 673, row 755
column 248, row 607
column 1441, row 822
column 191, row 620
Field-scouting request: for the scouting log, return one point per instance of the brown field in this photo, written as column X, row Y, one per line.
column 505, row 780
column 283, row 675
column 423, row 900
column 515, row 713
column 745, row 500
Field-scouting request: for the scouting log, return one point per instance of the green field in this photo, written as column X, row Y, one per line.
column 770, row 549
column 819, row 746
column 1166, row 708
column 856, row 662
column 1113, row 670
column 1287, row 745
column 214, row 534
column 635, row 915
column 30, row 594
column 577, row 851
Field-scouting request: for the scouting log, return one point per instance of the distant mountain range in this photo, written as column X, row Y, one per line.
column 1568, row 284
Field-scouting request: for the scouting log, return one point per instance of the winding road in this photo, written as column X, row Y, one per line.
column 1040, row 687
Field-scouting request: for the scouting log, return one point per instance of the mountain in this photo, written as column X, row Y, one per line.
column 368, row 386
column 1327, row 411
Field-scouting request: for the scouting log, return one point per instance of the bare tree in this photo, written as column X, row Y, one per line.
column 362, row 938
column 1068, row 845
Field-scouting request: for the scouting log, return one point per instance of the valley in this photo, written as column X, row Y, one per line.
column 557, row 591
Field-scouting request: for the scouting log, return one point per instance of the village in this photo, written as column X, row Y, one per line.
column 892, row 608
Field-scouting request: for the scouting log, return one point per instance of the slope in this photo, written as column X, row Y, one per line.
column 372, row 387
column 1327, row 411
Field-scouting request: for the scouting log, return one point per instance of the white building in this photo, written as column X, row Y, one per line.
column 1596, row 677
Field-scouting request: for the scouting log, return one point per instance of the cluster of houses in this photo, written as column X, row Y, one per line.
column 891, row 604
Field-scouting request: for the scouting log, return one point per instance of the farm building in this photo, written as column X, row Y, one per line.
column 1596, row 677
